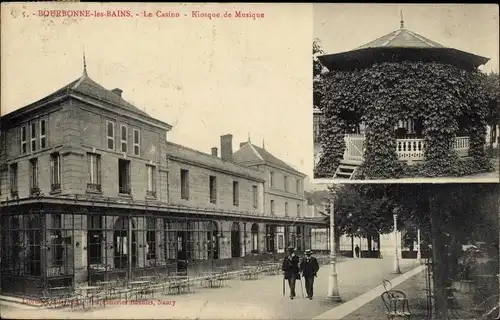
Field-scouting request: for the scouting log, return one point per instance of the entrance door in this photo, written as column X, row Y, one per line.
column 121, row 240
column 213, row 244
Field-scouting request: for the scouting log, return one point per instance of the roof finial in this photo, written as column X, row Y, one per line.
column 249, row 137
column 84, row 63
column 402, row 26
column 263, row 144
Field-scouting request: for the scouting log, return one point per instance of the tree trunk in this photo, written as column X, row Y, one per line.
column 352, row 246
column 492, row 136
column 439, row 258
column 369, row 239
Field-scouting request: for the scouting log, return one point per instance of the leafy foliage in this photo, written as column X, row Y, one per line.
column 439, row 95
column 317, row 73
column 468, row 211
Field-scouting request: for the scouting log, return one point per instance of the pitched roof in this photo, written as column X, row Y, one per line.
column 87, row 86
column 402, row 38
column 399, row 45
column 250, row 153
column 92, row 91
column 178, row 152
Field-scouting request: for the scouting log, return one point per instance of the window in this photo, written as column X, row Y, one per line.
column 298, row 210
column 285, row 182
column 33, row 136
column 271, row 179
column 43, row 134
column 255, row 197
column 124, row 138
column 272, row 207
column 124, row 176
column 213, row 189
column 286, row 209
column 110, row 132
column 236, row 193
column 24, row 139
column 34, row 177
column 137, row 144
column 55, row 172
column 184, row 184
column 13, row 180
column 297, row 186
column 151, row 238
column 57, row 240
column 95, row 238
column 94, row 165
column 151, row 191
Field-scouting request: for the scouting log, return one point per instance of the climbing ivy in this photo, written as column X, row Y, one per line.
column 438, row 94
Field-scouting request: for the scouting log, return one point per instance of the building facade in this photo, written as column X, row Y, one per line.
column 91, row 189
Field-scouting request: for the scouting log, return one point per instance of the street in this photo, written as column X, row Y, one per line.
column 254, row 299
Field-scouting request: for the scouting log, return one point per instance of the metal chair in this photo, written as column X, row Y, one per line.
column 387, row 285
column 396, row 304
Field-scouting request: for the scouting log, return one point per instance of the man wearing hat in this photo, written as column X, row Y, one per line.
column 309, row 268
column 290, row 270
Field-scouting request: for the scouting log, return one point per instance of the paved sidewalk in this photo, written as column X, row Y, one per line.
column 257, row 299
column 370, row 298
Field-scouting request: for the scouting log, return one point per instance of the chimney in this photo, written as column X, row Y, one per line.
column 226, row 147
column 214, row 151
column 118, row 91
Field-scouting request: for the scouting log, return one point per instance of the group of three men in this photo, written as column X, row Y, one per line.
column 293, row 266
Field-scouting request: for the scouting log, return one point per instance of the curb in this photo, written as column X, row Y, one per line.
column 352, row 305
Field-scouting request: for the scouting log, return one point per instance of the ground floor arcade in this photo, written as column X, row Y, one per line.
column 50, row 245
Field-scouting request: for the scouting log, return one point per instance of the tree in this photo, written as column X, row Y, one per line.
column 453, row 214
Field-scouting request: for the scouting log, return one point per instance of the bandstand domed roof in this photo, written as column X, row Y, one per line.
column 400, row 45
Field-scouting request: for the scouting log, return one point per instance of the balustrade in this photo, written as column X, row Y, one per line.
column 409, row 150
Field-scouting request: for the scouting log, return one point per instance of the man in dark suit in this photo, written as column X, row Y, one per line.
column 309, row 268
column 290, row 270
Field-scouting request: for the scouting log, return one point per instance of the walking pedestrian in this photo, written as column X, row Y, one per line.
column 309, row 268
column 356, row 250
column 290, row 269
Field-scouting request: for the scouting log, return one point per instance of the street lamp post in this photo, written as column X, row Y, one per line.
column 333, row 285
column 396, row 257
column 419, row 253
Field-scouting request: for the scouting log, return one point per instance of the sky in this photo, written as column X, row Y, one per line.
column 204, row 77
column 469, row 27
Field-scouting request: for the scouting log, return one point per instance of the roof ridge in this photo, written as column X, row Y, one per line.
column 209, row 155
column 381, row 37
column 425, row 40
column 396, row 33
column 255, row 150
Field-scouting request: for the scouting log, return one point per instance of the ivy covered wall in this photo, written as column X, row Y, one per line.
column 441, row 95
